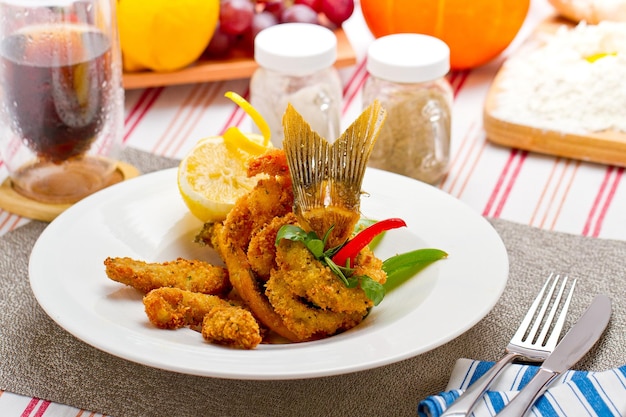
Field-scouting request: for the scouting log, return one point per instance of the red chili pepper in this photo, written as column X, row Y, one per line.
column 352, row 248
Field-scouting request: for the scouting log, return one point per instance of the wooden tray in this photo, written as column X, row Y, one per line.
column 238, row 65
column 608, row 147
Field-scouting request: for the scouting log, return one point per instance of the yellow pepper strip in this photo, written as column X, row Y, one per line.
column 253, row 113
column 236, row 141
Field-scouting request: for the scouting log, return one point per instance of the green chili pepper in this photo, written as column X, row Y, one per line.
column 400, row 268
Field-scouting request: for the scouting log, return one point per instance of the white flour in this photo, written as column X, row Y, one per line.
column 556, row 87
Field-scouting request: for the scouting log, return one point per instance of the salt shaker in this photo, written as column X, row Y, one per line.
column 296, row 66
column 407, row 75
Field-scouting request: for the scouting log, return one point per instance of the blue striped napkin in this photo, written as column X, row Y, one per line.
column 574, row 393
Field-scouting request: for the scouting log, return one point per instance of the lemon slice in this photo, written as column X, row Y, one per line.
column 212, row 177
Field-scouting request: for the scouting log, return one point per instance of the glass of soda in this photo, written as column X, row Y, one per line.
column 61, row 97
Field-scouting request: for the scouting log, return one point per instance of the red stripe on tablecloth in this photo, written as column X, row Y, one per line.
column 189, row 101
column 456, row 158
column 556, row 187
column 472, row 168
column 358, row 72
column 349, row 98
column 456, row 87
column 607, row 202
column 184, row 135
column 32, row 404
column 239, row 117
column 154, row 93
column 543, row 194
column 144, row 94
column 235, row 119
column 42, row 409
column 510, row 183
column 494, row 194
column 30, row 407
column 596, row 202
column 353, row 86
column 452, row 76
column 565, row 194
column 6, row 221
column 457, row 80
column 8, row 216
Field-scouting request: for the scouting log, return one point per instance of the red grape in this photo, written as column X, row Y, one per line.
column 275, row 7
column 261, row 21
column 313, row 4
column 299, row 13
column 236, row 16
column 220, row 43
column 337, row 11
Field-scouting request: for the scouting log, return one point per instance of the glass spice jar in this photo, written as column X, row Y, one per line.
column 407, row 75
column 296, row 66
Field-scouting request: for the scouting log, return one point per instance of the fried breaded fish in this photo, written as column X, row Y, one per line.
column 172, row 308
column 191, row 275
column 231, row 326
column 221, row 321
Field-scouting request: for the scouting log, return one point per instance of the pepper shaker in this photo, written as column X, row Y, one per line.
column 407, row 75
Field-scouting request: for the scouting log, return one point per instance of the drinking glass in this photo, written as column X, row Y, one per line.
column 61, row 97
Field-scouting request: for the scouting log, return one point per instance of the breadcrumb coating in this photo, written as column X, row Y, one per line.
column 231, row 326
column 190, row 275
column 172, row 308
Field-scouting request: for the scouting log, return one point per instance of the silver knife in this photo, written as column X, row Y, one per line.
column 574, row 345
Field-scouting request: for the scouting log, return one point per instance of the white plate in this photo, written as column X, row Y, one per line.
column 145, row 218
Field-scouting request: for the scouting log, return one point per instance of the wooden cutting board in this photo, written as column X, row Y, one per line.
column 608, row 147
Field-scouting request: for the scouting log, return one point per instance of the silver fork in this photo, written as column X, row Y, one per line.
column 527, row 342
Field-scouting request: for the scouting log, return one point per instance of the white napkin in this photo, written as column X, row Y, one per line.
column 574, row 393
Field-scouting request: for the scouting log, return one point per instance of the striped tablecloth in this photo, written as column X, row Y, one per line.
column 547, row 192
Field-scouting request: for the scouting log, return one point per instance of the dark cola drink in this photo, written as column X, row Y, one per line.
column 55, row 78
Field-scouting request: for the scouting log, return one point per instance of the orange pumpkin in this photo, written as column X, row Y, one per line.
column 476, row 31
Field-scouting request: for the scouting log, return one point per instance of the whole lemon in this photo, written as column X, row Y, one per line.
column 165, row 35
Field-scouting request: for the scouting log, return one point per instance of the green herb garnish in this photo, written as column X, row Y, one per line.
column 372, row 289
column 398, row 268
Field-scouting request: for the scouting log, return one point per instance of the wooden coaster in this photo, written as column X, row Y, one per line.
column 16, row 203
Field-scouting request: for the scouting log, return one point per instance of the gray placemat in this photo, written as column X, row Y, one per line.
column 39, row 359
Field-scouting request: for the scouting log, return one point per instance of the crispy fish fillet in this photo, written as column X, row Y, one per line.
column 311, row 300
column 304, row 320
column 262, row 248
column 172, row 308
column 196, row 276
column 247, row 286
column 221, row 321
column 231, row 326
column 315, row 283
column 271, row 197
